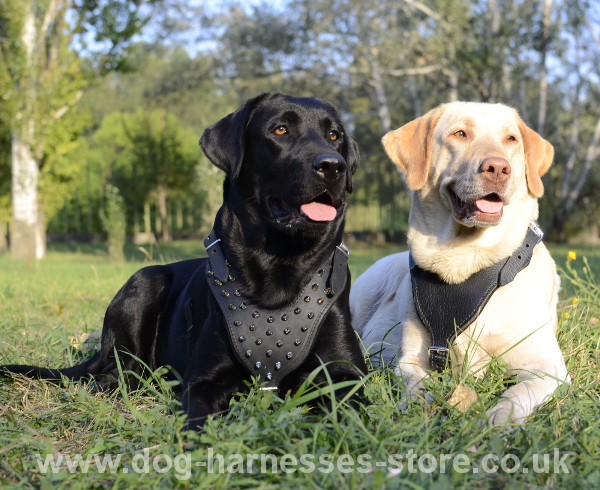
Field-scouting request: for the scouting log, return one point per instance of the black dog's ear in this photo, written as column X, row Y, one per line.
column 223, row 142
column 352, row 156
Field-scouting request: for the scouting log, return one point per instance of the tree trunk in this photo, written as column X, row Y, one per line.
column 27, row 236
column 541, row 126
column 567, row 202
column 28, row 240
column 162, row 208
column 3, row 243
column 383, row 109
column 147, row 223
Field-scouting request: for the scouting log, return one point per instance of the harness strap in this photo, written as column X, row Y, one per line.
column 448, row 309
column 272, row 343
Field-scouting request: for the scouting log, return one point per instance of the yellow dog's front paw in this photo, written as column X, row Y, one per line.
column 505, row 413
column 419, row 396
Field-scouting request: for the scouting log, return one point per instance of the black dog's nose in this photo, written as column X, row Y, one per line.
column 330, row 166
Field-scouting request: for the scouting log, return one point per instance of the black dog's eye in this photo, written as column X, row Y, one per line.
column 333, row 135
column 460, row 133
column 280, row 130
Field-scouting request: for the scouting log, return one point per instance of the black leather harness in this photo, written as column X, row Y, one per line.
column 272, row 343
column 448, row 309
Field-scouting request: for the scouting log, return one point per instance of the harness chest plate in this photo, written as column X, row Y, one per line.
column 272, row 343
column 448, row 309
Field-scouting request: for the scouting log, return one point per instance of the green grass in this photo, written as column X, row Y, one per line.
column 42, row 303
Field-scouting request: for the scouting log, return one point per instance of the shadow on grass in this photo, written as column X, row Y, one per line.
column 158, row 252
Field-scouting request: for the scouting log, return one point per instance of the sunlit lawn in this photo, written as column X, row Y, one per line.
column 42, row 303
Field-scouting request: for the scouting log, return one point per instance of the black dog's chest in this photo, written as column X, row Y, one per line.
column 272, row 343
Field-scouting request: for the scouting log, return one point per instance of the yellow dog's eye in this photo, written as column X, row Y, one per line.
column 511, row 138
column 280, row 130
column 460, row 133
column 333, row 135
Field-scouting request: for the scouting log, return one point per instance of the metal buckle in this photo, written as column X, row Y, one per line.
column 438, row 357
column 342, row 248
column 535, row 227
column 213, row 243
column 438, row 350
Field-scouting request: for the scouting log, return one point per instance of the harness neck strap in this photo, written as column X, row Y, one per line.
column 448, row 309
column 272, row 343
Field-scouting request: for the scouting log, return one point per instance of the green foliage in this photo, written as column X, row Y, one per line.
column 145, row 150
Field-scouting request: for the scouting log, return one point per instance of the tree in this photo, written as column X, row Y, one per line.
column 149, row 153
column 43, row 78
column 581, row 145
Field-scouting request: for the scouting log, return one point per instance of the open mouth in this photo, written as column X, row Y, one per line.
column 319, row 209
column 486, row 210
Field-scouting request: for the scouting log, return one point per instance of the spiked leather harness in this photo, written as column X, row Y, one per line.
column 272, row 343
column 448, row 309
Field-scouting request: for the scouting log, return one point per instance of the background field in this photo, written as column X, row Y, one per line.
column 42, row 303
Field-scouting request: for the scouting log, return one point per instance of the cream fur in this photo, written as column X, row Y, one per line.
column 519, row 322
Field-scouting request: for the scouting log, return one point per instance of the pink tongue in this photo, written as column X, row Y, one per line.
column 318, row 211
column 486, row 206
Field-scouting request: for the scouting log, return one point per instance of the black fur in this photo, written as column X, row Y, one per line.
column 275, row 249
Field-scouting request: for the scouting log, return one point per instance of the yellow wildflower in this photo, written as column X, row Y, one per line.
column 566, row 315
column 575, row 300
column 572, row 255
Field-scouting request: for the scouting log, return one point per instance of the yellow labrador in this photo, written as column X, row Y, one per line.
column 474, row 171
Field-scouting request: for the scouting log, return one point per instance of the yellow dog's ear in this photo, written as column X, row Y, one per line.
column 538, row 158
column 409, row 147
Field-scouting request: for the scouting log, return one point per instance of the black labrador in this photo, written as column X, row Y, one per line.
column 275, row 243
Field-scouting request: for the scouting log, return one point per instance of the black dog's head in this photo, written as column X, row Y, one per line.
column 288, row 159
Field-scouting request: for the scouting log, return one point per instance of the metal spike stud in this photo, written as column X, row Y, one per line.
column 258, row 364
column 279, row 343
column 311, row 315
column 277, row 365
column 269, row 353
column 248, row 353
column 289, row 355
column 237, row 323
